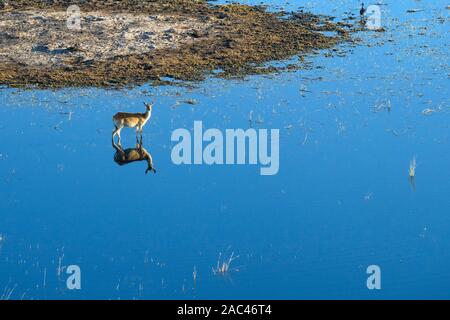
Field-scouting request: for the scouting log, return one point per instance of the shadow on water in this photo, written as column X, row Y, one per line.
column 130, row 155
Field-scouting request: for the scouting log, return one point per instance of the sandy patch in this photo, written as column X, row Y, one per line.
column 40, row 38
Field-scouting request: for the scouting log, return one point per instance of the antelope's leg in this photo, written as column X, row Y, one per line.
column 114, row 132
column 137, row 134
column 118, row 133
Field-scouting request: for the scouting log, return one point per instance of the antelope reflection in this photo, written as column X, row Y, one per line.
column 127, row 156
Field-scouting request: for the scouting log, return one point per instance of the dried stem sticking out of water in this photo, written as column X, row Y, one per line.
column 224, row 266
column 412, row 167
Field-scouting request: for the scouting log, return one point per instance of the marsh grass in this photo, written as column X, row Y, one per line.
column 412, row 167
column 224, row 266
column 412, row 173
column 2, row 239
column 7, row 292
column 194, row 276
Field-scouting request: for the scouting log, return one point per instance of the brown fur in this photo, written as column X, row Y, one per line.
column 131, row 120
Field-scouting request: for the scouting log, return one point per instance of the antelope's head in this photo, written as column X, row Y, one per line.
column 149, row 106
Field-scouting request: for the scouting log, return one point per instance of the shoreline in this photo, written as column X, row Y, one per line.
column 121, row 43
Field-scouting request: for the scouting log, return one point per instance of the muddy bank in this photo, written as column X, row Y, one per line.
column 131, row 42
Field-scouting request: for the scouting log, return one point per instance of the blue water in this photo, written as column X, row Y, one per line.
column 341, row 201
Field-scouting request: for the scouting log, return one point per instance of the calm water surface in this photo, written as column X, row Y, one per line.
column 341, row 201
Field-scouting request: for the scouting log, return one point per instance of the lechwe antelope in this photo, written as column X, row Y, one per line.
column 131, row 120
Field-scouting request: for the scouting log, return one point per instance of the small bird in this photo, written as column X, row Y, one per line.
column 131, row 120
column 362, row 11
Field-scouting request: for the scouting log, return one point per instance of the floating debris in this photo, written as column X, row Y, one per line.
column 190, row 101
column 340, row 126
column 382, row 106
column 259, row 120
column 305, row 140
column 176, row 105
column 69, row 114
column 377, row 108
column 368, row 196
column 428, row 111
column 414, row 10
column 303, row 90
column 423, row 234
column 58, row 125
column 59, row 168
column 399, row 132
